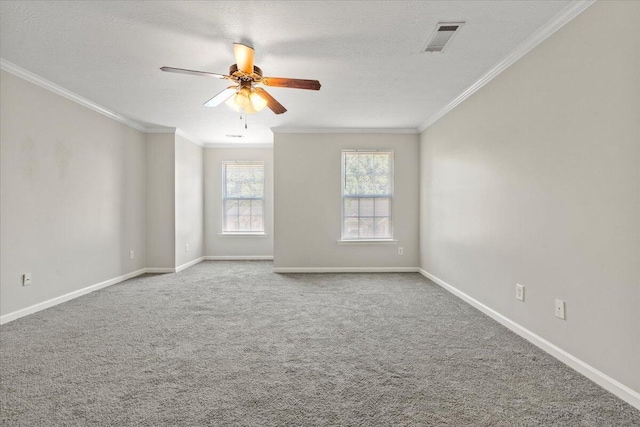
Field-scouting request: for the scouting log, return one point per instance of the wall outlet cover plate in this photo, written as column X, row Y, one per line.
column 560, row 309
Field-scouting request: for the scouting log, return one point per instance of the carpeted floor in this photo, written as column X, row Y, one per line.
column 230, row 343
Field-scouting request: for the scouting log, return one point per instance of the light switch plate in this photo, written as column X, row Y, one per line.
column 519, row 292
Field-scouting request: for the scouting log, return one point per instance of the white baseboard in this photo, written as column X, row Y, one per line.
column 345, row 270
column 67, row 297
column 75, row 294
column 188, row 264
column 622, row 391
column 160, row 270
column 240, row 258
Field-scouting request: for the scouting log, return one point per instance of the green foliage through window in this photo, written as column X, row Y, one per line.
column 243, row 197
column 367, row 194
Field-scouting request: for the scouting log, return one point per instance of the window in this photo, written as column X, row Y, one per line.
column 367, row 195
column 243, row 197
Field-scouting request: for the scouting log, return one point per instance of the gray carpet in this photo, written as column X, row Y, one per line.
column 230, row 343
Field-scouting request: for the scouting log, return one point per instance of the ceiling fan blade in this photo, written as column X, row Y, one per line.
column 244, row 57
column 221, row 97
column 193, row 72
column 272, row 103
column 291, row 83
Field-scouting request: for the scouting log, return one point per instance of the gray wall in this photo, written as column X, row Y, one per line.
column 236, row 246
column 160, row 196
column 72, row 195
column 189, row 226
column 307, row 179
column 535, row 179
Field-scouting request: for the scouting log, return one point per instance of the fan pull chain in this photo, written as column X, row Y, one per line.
column 245, row 121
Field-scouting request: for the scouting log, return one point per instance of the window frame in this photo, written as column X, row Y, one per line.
column 390, row 196
column 225, row 198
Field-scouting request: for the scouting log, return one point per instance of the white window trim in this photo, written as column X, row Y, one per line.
column 368, row 240
column 243, row 234
column 264, row 196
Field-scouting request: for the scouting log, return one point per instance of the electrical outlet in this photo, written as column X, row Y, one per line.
column 519, row 292
column 400, row 250
column 560, row 308
column 131, row 254
column 26, row 279
column 186, row 247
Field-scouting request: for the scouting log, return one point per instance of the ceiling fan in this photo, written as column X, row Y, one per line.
column 245, row 96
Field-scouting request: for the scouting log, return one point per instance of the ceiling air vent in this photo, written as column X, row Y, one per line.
column 442, row 35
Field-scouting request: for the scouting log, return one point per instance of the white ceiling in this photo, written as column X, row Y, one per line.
column 367, row 55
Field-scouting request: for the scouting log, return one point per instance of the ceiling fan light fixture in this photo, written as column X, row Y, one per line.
column 231, row 102
column 249, row 109
column 244, row 97
column 247, row 100
column 241, row 98
column 257, row 101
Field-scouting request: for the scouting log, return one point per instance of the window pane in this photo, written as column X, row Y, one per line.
column 258, row 174
column 366, row 207
column 231, row 188
column 246, row 189
column 366, row 227
column 350, row 207
column 232, row 224
column 256, row 208
column 257, row 223
column 382, row 184
column 257, row 215
column 383, row 206
column 351, row 185
column 244, row 180
column 245, row 207
column 382, row 163
column 350, row 163
column 351, row 228
column 365, row 185
column 257, row 189
column 231, row 207
column 244, row 223
column 383, row 227
column 366, row 164
column 230, row 215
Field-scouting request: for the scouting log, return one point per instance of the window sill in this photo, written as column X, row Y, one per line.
column 243, row 234
column 368, row 242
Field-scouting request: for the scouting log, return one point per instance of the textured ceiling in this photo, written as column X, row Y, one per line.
column 367, row 55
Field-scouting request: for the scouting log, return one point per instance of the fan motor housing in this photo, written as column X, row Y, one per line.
column 256, row 76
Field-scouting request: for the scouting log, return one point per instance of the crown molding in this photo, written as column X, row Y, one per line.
column 159, row 129
column 238, row 145
column 190, row 138
column 175, row 131
column 59, row 90
column 567, row 14
column 344, row 130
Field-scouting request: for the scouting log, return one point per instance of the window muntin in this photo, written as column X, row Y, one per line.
column 367, row 194
column 243, row 197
